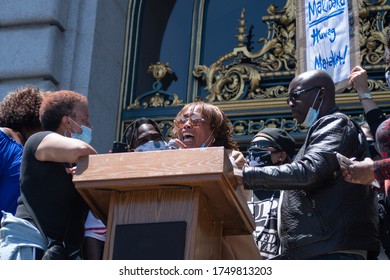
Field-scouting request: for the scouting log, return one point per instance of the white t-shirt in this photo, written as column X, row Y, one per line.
column 94, row 228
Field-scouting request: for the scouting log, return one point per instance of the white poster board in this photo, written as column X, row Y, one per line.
column 328, row 38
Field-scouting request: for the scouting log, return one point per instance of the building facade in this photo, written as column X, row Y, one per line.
column 147, row 58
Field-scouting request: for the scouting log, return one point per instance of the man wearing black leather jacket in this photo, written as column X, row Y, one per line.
column 322, row 216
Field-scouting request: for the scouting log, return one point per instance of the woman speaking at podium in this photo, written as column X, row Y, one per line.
column 201, row 125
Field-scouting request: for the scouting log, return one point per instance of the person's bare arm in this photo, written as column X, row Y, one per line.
column 359, row 80
column 58, row 148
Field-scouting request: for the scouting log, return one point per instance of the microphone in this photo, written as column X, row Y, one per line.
column 172, row 145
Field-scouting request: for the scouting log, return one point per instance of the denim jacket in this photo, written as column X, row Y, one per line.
column 18, row 237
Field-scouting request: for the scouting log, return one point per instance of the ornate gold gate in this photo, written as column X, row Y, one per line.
column 251, row 85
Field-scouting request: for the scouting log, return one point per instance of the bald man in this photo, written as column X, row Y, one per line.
column 321, row 216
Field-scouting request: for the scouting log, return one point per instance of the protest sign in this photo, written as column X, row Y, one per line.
column 328, row 38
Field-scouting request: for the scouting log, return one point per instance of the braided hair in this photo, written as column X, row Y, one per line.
column 130, row 134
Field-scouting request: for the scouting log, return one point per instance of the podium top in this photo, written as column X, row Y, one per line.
column 207, row 168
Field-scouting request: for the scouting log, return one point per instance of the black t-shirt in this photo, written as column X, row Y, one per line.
column 52, row 196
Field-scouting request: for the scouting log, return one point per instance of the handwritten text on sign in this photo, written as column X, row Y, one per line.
column 327, row 41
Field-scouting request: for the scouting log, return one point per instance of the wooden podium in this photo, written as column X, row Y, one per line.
column 173, row 204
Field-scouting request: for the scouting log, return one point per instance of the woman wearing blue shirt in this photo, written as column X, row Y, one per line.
column 19, row 118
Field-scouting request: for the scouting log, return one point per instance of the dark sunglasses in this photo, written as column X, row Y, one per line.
column 195, row 120
column 295, row 94
column 264, row 144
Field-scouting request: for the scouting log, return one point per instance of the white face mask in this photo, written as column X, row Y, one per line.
column 312, row 114
column 151, row 145
column 387, row 75
column 210, row 140
column 85, row 135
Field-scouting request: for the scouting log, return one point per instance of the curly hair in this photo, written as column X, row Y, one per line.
column 130, row 134
column 19, row 110
column 223, row 128
column 58, row 104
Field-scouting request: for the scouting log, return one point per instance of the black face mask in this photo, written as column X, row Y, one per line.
column 259, row 155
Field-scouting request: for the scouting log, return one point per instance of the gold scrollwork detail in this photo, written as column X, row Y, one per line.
column 230, row 85
column 156, row 100
column 373, row 31
column 159, row 70
column 157, row 97
column 237, row 74
column 243, row 127
column 377, row 85
column 274, row 91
